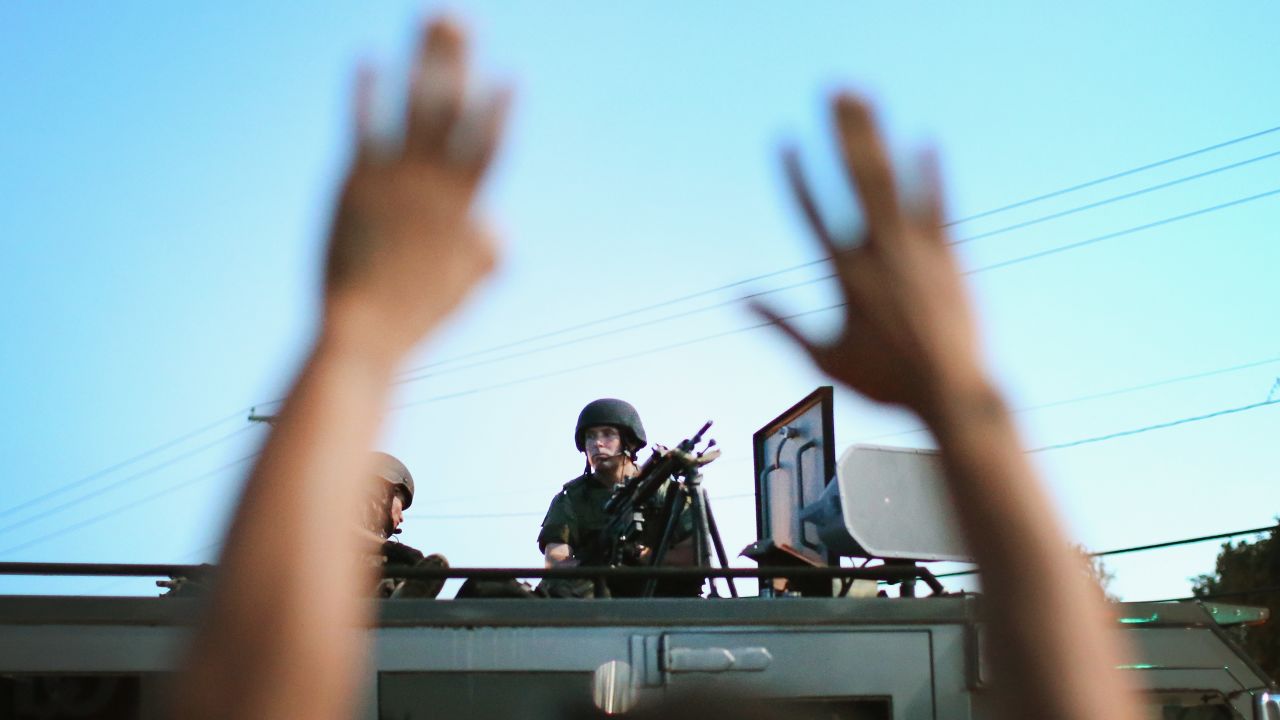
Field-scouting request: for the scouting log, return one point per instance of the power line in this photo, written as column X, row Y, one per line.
column 1152, row 546
column 1187, row 541
column 1002, row 264
column 122, row 464
column 756, row 278
column 1055, row 403
column 1045, row 448
column 1158, row 426
column 1115, row 176
column 122, row 482
column 1116, row 198
column 999, row 265
column 738, row 283
column 129, row 506
column 613, row 331
column 1105, row 394
column 606, row 361
column 1216, row 596
column 1100, row 438
column 1060, row 446
column 1126, row 231
column 820, row 261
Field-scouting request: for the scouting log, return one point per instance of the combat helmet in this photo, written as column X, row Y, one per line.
column 393, row 471
column 616, row 413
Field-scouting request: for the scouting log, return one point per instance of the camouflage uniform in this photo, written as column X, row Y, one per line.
column 577, row 516
column 396, row 553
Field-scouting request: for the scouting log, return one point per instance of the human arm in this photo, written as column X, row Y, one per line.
column 557, row 534
column 559, row 555
column 909, row 339
column 282, row 637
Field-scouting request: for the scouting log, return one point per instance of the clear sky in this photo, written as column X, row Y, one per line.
column 166, row 173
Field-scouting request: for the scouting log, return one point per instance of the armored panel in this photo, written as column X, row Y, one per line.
column 794, row 462
column 772, row 666
column 462, row 695
column 888, row 503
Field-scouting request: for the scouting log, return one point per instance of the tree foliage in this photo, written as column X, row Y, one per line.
column 1248, row 566
column 1097, row 571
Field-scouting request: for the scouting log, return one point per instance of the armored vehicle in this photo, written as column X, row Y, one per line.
column 811, row 644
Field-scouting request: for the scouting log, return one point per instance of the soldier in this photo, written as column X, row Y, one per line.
column 393, row 494
column 610, row 434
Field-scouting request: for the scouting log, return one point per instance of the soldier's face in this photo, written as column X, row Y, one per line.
column 397, row 510
column 603, row 445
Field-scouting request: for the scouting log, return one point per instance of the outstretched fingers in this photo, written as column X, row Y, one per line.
column 804, row 197
column 928, row 206
column 867, row 164
column 437, row 89
column 479, row 133
column 773, row 318
column 362, row 114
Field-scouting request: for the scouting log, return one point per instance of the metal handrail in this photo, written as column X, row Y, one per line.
column 890, row 573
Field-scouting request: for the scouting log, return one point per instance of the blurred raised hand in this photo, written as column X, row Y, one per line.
column 907, row 330
column 278, row 638
column 406, row 246
column 909, row 339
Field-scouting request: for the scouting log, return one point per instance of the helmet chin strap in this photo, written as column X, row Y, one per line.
column 625, row 454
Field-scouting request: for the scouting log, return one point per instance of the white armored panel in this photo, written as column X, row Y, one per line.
column 888, row 503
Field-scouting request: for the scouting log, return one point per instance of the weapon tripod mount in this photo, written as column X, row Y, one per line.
column 686, row 490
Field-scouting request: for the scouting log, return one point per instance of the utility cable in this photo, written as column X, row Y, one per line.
column 737, row 283
column 1215, row 596
column 67, row 504
column 828, row 276
column 1152, row 546
column 607, row 361
column 1187, row 541
column 122, row 464
column 820, row 261
column 612, row 331
column 1115, row 176
column 995, row 266
column 1126, row 231
column 1115, row 199
column 129, row 506
column 1104, row 394
column 1158, row 426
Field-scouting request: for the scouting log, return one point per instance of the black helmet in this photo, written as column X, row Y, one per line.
column 393, row 471
column 616, row 413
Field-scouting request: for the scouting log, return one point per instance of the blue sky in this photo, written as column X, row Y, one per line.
column 165, row 186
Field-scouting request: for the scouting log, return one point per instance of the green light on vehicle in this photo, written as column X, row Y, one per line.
column 1140, row 620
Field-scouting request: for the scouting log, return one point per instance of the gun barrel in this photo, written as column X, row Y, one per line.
column 697, row 437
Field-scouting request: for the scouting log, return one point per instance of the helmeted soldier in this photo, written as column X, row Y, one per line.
column 392, row 495
column 610, row 434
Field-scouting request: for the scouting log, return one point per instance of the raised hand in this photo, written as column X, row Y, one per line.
column 909, row 339
column 908, row 332
column 405, row 248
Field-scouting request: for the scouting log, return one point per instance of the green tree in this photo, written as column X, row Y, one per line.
column 1243, row 567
